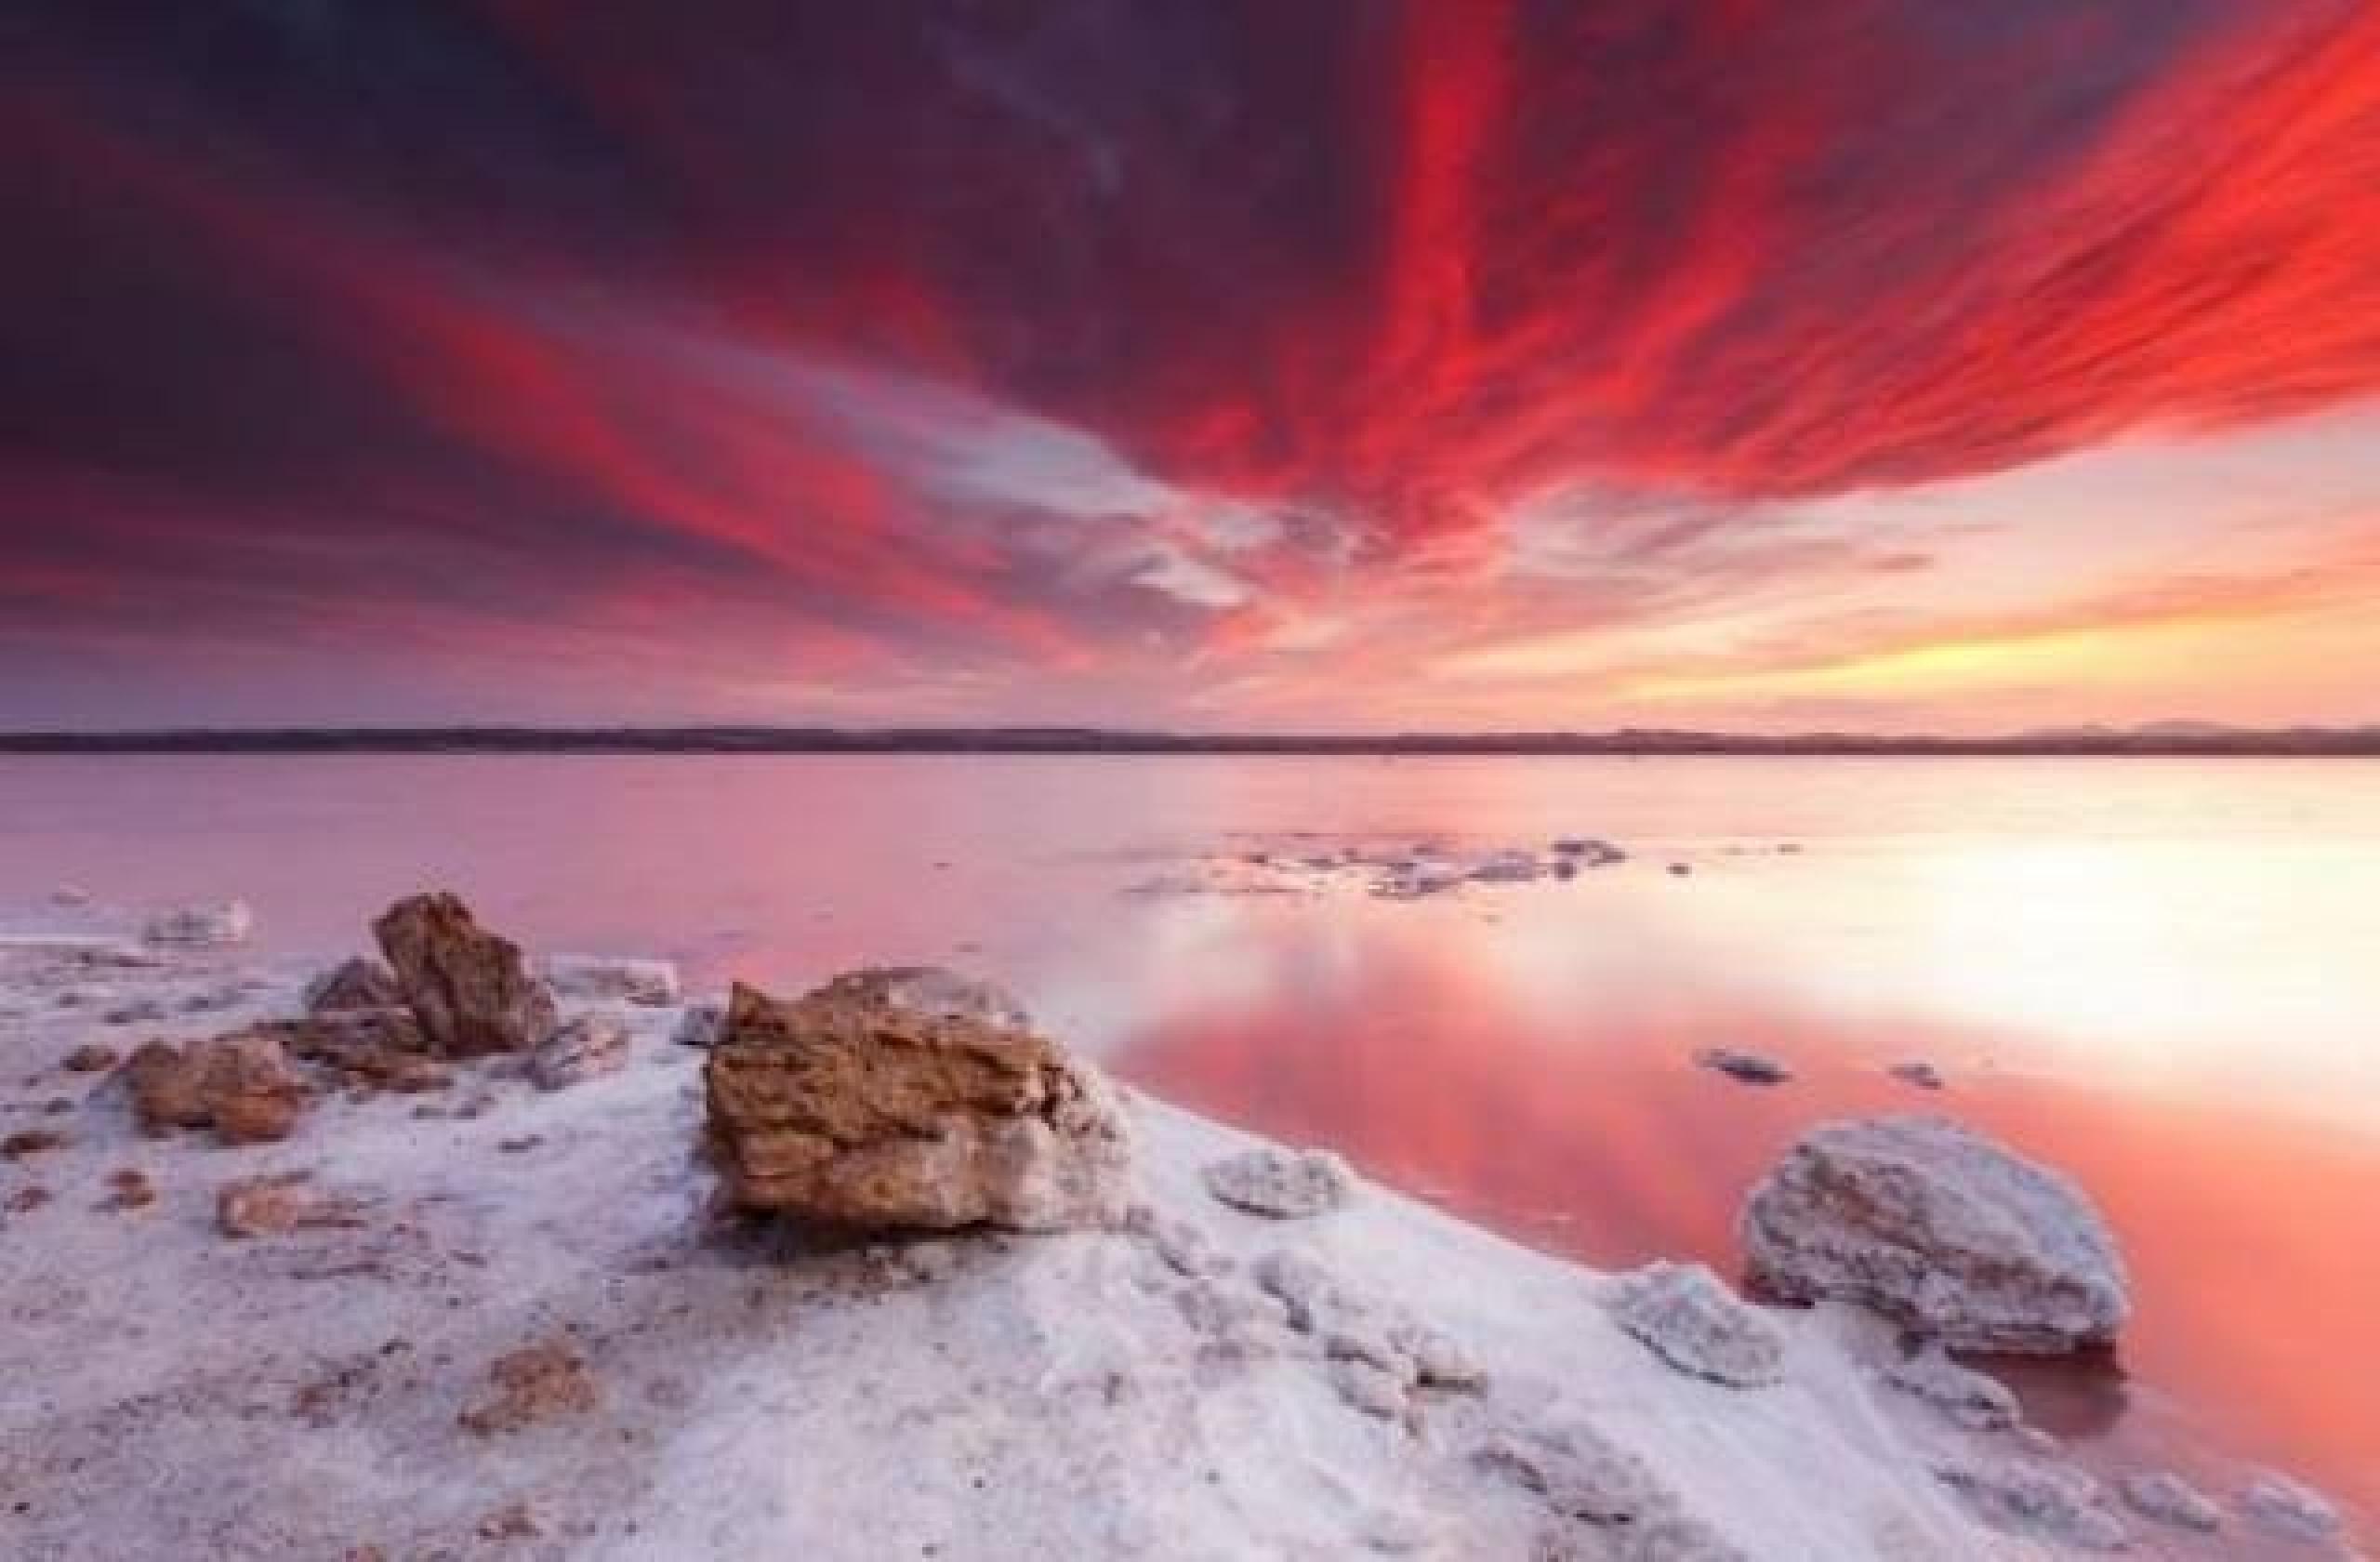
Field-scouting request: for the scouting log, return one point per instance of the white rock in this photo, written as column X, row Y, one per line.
column 613, row 979
column 1686, row 1316
column 698, row 1024
column 1941, row 1229
column 2055, row 1503
column 1581, row 1473
column 1971, row 1399
column 2291, row 1508
column 2168, row 1499
column 579, row 1050
column 1286, row 1185
column 208, row 926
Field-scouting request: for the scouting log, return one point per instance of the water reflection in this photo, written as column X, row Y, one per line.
column 1568, row 1112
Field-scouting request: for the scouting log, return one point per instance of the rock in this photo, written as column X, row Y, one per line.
column 165, row 1088
column 1370, row 1387
column 889, row 1100
column 1972, row 1399
column 374, row 1048
column 2168, row 1499
column 71, row 895
column 1439, row 1361
column 608, row 979
column 1581, row 1473
column 209, row 926
column 1589, row 851
column 31, row 1142
column 92, row 1057
column 129, row 1189
column 1286, row 1185
column 1304, row 1286
column 1679, row 870
column 2286, row 1507
column 582, row 1048
column 277, row 1205
column 24, row 1200
column 242, row 1084
column 535, row 1383
column 698, row 1026
column 1750, row 1067
column 2055, row 1503
column 353, row 983
column 141, row 1010
column 1507, row 868
column 1686, row 1316
column 469, row 987
column 1924, row 1076
column 1941, row 1230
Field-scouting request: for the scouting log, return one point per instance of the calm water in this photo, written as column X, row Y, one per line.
column 2164, row 976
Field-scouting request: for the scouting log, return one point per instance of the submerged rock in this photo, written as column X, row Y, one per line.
column 1941, row 1229
column 908, row 1099
column 1750, row 1067
column 2168, row 1499
column 208, row 926
column 1686, row 1316
column 582, row 1048
column 351, row 984
column 2292, row 1508
column 469, row 987
column 606, row 978
column 1283, row 1184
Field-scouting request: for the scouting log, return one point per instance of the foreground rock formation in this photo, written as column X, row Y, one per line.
column 1941, row 1230
column 905, row 1100
column 470, row 988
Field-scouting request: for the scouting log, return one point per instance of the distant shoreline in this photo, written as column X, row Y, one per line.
column 2283, row 743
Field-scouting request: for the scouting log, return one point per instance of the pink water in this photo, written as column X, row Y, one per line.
column 2162, row 975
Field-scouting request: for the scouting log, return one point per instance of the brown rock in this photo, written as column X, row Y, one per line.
column 33, row 1195
column 469, row 987
column 865, row 1104
column 129, row 1189
column 277, row 1205
column 351, row 984
column 240, row 1083
column 382, row 1048
column 32, row 1142
column 535, row 1383
column 92, row 1057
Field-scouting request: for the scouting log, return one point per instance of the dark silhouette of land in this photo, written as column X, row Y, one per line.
column 2166, row 737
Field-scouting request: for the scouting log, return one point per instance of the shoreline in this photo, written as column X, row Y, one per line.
column 747, row 1388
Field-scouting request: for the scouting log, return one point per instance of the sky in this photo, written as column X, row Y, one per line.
column 1217, row 364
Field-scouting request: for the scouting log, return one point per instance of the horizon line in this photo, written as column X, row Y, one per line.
column 2154, row 738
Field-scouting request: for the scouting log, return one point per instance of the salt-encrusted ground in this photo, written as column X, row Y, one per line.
column 698, row 1387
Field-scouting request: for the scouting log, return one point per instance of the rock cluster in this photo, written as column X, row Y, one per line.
column 1586, row 1478
column 1941, row 1230
column 900, row 1100
column 470, row 988
column 1283, row 1184
column 1686, row 1316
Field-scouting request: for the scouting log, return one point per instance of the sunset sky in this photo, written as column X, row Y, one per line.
column 1331, row 364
